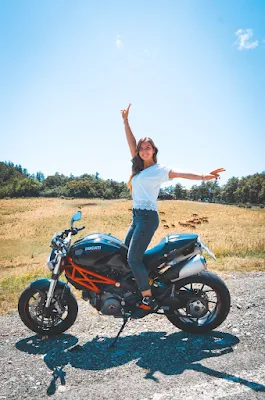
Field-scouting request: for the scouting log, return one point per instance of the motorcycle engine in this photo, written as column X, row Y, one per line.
column 114, row 302
column 110, row 305
column 106, row 303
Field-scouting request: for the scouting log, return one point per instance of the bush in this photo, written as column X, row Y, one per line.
column 51, row 192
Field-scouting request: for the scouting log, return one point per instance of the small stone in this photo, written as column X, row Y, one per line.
column 239, row 306
column 61, row 388
column 251, row 305
column 235, row 330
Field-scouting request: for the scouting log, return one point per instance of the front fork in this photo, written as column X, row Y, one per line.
column 54, row 280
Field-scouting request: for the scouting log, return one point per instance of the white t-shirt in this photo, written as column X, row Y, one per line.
column 146, row 186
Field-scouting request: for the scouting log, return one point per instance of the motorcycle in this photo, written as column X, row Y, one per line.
column 189, row 296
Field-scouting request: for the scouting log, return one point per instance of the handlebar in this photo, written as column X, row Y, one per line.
column 76, row 230
column 73, row 231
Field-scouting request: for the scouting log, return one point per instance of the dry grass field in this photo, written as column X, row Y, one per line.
column 235, row 235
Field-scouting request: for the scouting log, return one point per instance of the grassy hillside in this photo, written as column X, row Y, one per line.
column 236, row 236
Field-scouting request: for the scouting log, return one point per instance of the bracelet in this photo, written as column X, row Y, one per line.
column 203, row 178
column 126, row 120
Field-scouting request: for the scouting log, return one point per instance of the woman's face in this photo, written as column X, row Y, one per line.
column 146, row 151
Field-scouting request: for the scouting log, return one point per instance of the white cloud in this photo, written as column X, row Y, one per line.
column 244, row 39
column 119, row 43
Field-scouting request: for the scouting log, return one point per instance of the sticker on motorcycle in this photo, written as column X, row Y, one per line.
column 92, row 248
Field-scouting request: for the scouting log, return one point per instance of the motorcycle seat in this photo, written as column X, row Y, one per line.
column 161, row 252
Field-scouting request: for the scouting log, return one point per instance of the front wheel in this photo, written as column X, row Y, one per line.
column 206, row 304
column 62, row 313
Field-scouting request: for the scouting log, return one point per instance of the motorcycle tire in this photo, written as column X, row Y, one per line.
column 222, row 308
column 68, row 302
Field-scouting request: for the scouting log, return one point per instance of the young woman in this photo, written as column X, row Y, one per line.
column 145, row 181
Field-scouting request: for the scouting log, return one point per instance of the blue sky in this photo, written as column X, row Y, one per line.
column 194, row 72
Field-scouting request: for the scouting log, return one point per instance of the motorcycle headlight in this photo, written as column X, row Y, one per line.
column 54, row 242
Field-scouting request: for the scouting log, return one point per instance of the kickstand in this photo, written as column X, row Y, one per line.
column 125, row 320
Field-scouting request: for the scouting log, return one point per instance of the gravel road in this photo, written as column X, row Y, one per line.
column 152, row 359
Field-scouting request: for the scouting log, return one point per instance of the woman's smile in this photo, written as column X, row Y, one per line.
column 146, row 151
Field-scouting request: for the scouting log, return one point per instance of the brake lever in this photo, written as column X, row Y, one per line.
column 76, row 230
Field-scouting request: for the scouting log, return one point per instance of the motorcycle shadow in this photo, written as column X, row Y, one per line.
column 155, row 351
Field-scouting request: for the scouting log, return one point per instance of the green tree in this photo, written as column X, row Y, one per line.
column 229, row 191
column 166, row 193
column 262, row 194
column 28, row 187
column 54, row 180
column 180, row 193
column 194, row 193
column 40, row 176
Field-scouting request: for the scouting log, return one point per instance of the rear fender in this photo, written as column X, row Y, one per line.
column 45, row 283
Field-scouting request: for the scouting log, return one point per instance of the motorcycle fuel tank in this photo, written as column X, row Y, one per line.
column 99, row 251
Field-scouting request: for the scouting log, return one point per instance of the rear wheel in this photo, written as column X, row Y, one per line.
column 206, row 306
column 62, row 313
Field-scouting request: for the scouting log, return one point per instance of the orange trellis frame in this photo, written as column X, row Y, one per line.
column 88, row 278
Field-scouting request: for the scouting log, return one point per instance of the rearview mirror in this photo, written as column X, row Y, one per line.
column 76, row 217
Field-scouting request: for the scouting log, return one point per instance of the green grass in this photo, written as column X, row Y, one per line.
column 12, row 287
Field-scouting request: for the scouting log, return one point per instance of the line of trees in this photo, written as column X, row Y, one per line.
column 16, row 181
column 249, row 190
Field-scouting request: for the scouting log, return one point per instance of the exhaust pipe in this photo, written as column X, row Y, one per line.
column 182, row 270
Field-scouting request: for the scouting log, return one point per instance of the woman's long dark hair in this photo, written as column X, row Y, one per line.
column 137, row 162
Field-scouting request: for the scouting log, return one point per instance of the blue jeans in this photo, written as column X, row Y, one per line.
column 140, row 233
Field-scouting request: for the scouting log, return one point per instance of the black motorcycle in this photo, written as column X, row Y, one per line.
column 192, row 298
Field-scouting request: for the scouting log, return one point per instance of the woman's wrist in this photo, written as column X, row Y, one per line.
column 126, row 121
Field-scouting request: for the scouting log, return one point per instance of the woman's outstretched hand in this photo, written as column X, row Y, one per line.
column 125, row 113
column 213, row 174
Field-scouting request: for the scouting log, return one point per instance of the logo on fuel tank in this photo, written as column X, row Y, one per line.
column 92, row 248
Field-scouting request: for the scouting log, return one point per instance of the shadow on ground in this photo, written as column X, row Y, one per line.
column 154, row 351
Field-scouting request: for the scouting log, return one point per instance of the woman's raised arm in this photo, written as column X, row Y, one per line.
column 129, row 135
